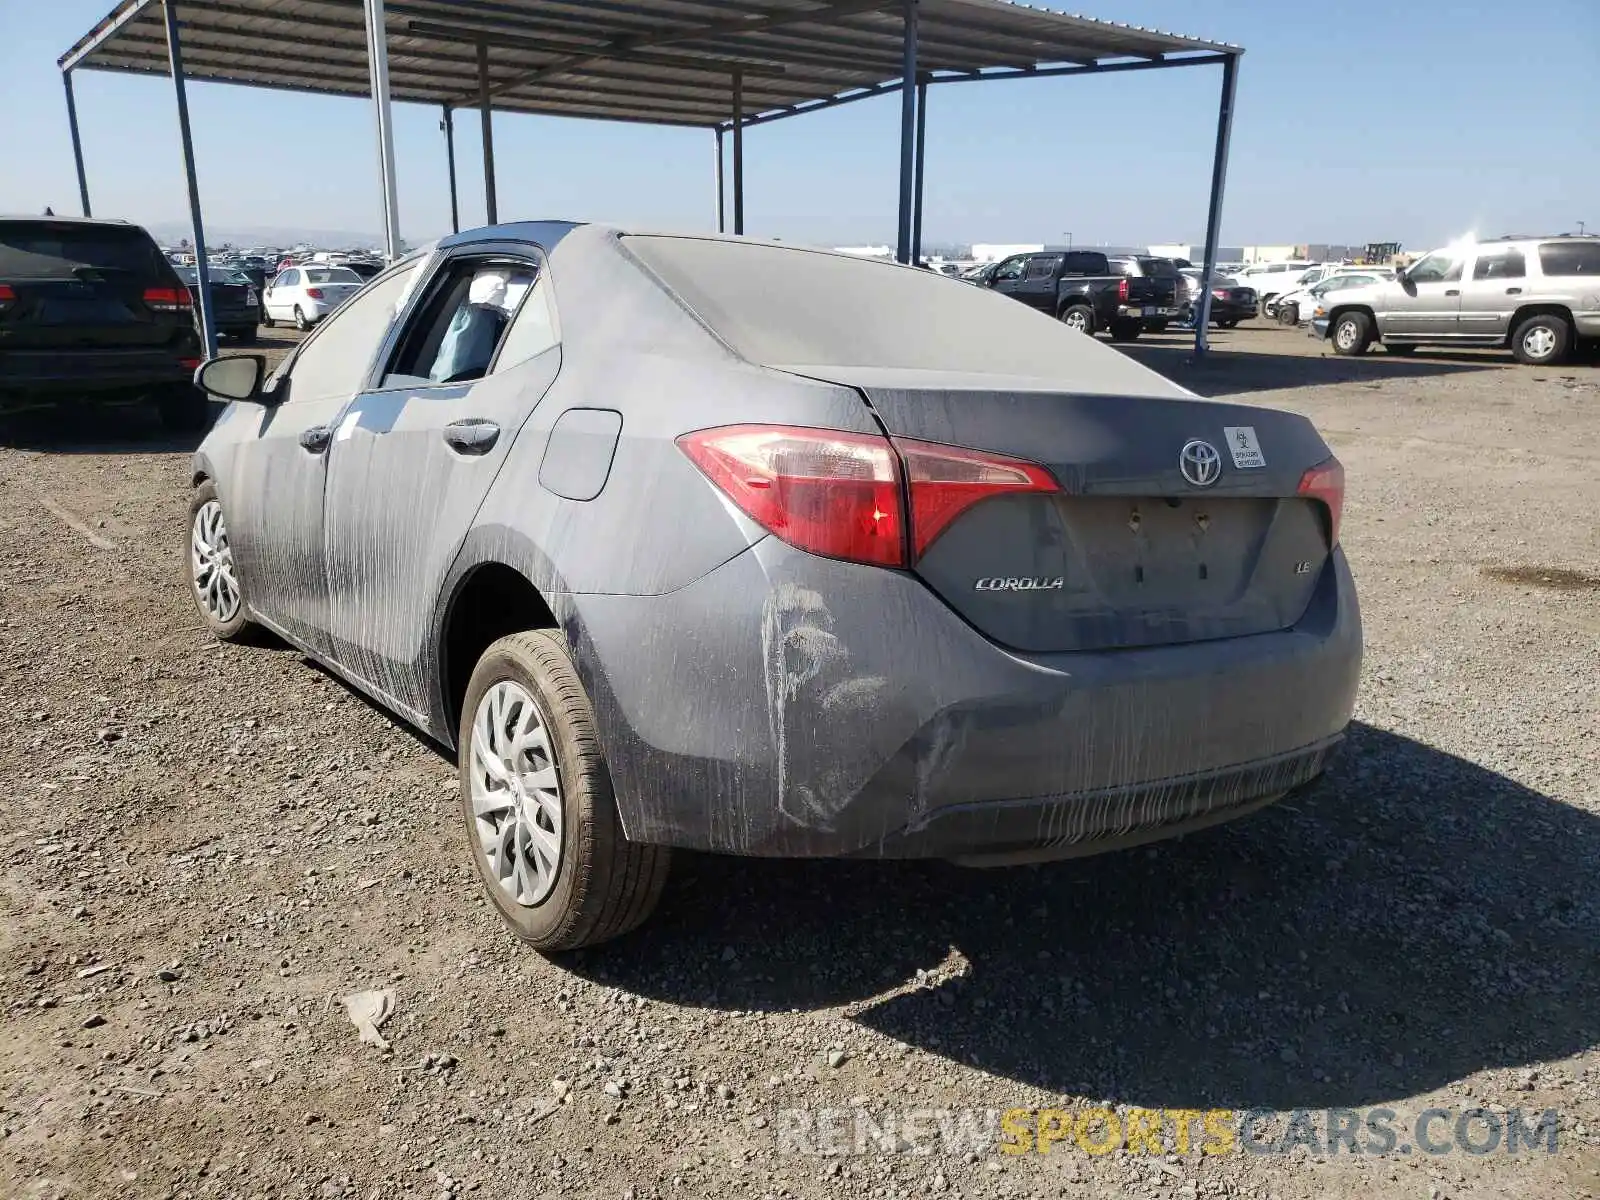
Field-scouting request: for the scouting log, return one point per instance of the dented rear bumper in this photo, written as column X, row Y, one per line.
column 792, row 706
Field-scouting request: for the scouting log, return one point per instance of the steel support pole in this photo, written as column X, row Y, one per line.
column 1219, row 179
column 77, row 143
column 378, row 69
column 486, row 112
column 449, row 127
column 208, row 326
column 738, row 153
column 722, row 214
column 922, row 144
column 908, row 129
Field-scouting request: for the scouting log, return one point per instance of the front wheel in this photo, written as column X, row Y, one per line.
column 213, row 577
column 1289, row 313
column 300, row 321
column 1352, row 334
column 536, row 796
column 1542, row 339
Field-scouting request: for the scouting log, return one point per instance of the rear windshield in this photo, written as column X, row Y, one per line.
column 1163, row 267
column 331, row 275
column 787, row 307
column 51, row 249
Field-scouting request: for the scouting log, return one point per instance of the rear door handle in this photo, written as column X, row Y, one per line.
column 316, row 438
column 1453, row 292
column 472, row 436
column 1513, row 291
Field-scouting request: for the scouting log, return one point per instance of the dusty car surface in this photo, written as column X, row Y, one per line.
column 711, row 543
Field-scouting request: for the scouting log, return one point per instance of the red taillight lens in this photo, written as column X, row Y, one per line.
column 944, row 482
column 839, row 495
column 7, row 293
column 834, row 494
column 1122, row 290
column 189, row 364
column 1220, row 293
column 166, row 299
column 314, row 293
column 1325, row 482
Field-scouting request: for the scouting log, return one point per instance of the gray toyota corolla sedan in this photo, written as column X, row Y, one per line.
column 705, row 542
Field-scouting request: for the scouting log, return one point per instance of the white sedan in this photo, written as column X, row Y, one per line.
column 1294, row 308
column 306, row 294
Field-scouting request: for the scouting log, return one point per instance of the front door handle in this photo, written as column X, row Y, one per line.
column 316, row 438
column 1513, row 291
column 472, row 436
column 1453, row 292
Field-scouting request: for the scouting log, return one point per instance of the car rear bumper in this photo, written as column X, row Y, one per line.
column 1227, row 310
column 792, row 706
column 72, row 371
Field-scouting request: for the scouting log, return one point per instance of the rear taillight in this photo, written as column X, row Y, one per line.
column 1122, row 290
column 1325, row 482
column 834, row 494
column 166, row 299
column 944, row 482
column 840, row 495
column 189, row 364
column 8, row 295
column 314, row 293
column 1220, row 293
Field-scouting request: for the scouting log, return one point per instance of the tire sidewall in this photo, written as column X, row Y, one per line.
column 1559, row 330
column 1362, row 333
column 1088, row 318
column 583, row 777
column 230, row 630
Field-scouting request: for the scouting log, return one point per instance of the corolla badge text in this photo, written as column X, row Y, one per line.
column 998, row 584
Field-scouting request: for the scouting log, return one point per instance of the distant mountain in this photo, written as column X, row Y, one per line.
column 170, row 233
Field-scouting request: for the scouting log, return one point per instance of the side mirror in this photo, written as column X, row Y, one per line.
column 237, row 377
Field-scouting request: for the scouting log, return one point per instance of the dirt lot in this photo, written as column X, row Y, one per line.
column 210, row 846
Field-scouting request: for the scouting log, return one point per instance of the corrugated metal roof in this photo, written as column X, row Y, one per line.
column 661, row 61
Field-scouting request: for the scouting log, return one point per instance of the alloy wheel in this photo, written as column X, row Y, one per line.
column 516, row 794
column 216, row 585
column 1077, row 321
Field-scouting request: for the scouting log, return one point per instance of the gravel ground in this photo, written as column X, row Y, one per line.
column 211, row 846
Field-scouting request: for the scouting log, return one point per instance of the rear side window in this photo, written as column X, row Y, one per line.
column 54, row 249
column 1086, row 263
column 1042, row 267
column 455, row 332
column 1570, row 258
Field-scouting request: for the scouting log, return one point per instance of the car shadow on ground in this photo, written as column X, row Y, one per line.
column 97, row 429
column 1233, row 372
column 1411, row 919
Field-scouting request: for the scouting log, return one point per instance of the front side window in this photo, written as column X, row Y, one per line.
column 456, row 331
column 1010, row 269
column 1442, row 266
column 334, row 361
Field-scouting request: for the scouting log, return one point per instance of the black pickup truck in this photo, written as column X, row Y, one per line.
column 1081, row 288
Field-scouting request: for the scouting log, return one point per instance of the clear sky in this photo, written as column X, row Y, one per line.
column 1365, row 120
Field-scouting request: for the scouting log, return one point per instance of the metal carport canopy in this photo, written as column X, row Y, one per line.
column 718, row 64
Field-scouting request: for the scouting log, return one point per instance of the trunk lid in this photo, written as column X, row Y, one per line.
column 1131, row 552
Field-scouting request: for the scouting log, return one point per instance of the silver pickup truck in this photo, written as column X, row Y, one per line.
column 1536, row 296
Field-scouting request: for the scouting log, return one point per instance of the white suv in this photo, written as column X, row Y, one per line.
column 1534, row 295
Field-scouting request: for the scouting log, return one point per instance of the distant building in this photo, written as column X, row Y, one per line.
column 988, row 253
column 866, row 251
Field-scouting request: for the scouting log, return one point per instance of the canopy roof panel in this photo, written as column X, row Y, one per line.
column 658, row 61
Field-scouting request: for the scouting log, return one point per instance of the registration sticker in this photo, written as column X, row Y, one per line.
column 1246, row 450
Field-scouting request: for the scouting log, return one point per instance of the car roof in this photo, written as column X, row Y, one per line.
column 65, row 219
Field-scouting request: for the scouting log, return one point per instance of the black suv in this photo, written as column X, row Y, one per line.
column 92, row 310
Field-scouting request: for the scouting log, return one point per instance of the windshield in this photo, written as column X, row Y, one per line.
column 798, row 308
column 331, row 275
column 45, row 249
column 217, row 274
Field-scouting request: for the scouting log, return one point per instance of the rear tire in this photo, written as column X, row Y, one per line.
column 266, row 320
column 1542, row 340
column 1078, row 317
column 599, row 885
column 1228, row 323
column 300, row 321
column 1125, row 331
column 244, row 336
column 1351, row 334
